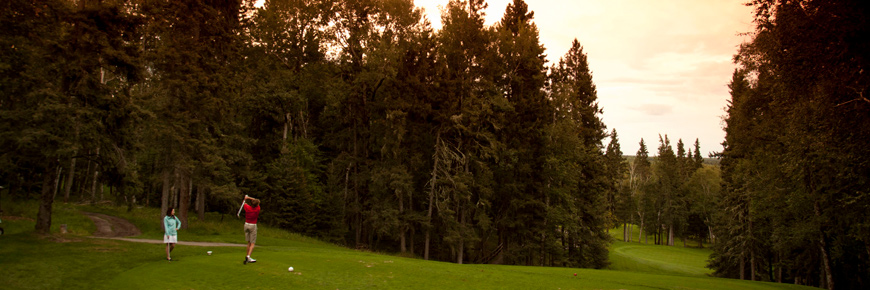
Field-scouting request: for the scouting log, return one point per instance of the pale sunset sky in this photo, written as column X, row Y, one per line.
column 660, row 67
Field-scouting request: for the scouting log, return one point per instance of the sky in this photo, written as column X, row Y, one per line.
column 660, row 67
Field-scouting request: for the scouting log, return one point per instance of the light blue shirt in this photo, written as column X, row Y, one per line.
column 171, row 224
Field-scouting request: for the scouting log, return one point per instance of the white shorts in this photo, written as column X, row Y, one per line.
column 170, row 239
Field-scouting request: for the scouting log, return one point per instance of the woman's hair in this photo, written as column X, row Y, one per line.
column 169, row 211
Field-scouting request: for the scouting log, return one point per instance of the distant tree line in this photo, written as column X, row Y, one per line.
column 353, row 120
column 668, row 197
column 796, row 164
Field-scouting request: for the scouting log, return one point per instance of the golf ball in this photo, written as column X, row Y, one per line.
column 290, row 269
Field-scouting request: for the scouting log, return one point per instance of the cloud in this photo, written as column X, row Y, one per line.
column 655, row 109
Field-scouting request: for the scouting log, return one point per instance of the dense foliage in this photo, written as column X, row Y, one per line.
column 353, row 121
column 796, row 166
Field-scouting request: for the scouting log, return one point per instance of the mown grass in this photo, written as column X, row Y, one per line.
column 657, row 259
column 74, row 261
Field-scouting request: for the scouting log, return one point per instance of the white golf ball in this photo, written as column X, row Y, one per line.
column 290, row 269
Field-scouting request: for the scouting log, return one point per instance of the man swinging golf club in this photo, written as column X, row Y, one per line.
column 252, row 212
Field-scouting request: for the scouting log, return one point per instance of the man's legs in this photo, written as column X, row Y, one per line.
column 251, row 238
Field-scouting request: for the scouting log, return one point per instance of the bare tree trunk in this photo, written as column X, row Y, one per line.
column 402, row 229
column 826, row 263
column 357, row 215
column 626, row 232
column 742, row 267
column 200, row 202
column 43, row 217
column 185, row 187
column 752, row 264
column 67, row 186
column 658, row 225
column 86, row 178
column 826, row 260
column 411, row 240
column 461, row 253
column 164, row 199
column 56, row 186
column 640, row 229
column 671, row 234
column 710, row 234
column 432, row 182
column 426, row 236
column 94, row 181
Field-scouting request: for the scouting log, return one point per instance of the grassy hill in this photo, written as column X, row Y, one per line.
column 74, row 261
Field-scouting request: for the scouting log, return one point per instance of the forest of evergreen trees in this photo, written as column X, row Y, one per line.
column 796, row 164
column 357, row 122
column 353, row 121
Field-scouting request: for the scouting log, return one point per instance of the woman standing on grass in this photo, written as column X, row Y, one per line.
column 171, row 224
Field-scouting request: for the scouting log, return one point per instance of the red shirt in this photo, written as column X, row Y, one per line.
column 251, row 214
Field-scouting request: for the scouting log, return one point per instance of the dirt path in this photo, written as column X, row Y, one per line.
column 110, row 227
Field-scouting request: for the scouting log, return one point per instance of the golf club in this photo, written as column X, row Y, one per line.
column 242, row 206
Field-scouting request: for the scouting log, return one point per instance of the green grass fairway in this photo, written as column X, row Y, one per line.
column 657, row 259
column 675, row 260
column 75, row 261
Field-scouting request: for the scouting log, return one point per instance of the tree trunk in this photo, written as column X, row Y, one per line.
column 402, row 229
column 431, row 196
column 86, row 178
column 640, row 229
column 461, row 253
column 742, row 267
column 56, row 187
column 712, row 236
column 625, row 232
column 185, row 188
column 200, row 202
column 658, row 226
column 94, row 181
column 43, row 217
column 411, row 241
column 826, row 263
column 826, row 260
column 752, row 264
column 164, row 199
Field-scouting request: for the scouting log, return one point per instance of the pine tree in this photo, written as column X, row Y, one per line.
column 576, row 113
column 640, row 173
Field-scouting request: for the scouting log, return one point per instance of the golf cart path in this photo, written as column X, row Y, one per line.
column 115, row 228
